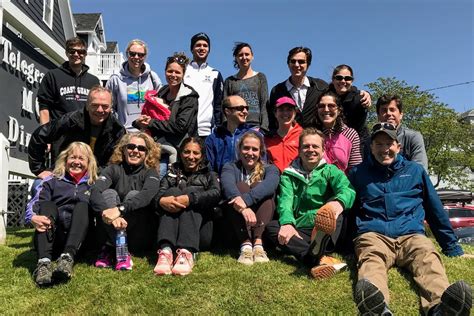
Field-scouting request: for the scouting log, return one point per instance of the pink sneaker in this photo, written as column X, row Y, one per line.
column 164, row 263
column 126, row 264
column 105, row 258
column 184, row 262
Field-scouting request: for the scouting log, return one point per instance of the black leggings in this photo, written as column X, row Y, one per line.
column 61, row 239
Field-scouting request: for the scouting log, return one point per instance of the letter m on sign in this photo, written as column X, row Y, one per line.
column 27, row 100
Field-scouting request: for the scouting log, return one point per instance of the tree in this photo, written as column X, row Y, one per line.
column 449, row 141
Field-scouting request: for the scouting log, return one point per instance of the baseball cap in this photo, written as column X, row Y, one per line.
column 200, row 36
column 285, row 100
column 386, row 128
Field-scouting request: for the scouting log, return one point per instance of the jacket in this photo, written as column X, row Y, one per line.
column 395, row 200
column 62, row 91
column 71, row 127
column 183, row 117
column 232, row 173
column 129, row 91
column 124, row 178
column 283, row 150
column 302, row 194
column 317, row 87
column 202, row 187
column 64, row 192
column 221, row 145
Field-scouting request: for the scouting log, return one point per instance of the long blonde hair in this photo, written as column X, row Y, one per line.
column 259, row 171
column 152, row 157
column 60, row 167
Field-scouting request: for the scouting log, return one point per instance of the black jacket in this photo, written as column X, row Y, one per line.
column 202, row 185
column 62, row 91
column 316, row 88
column 124, row 178
column 71, row 127
column 183, row 117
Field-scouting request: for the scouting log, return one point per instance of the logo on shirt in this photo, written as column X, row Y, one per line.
column 207, row 78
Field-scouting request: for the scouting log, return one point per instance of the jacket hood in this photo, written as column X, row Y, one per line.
column 125, row 73
column 296, row 168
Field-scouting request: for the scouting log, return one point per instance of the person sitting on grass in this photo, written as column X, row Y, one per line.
column 395, row 196
column 123, row 195
column 310, row 204
column 249, row 186
column 60, row 212
column 187, row 194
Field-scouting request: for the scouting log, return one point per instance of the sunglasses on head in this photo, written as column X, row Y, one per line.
column 133, row 54
column 72, row 51
column 299, row 61
column 179, row 60
column 239, row 108
column 381, row 126
column 139, row 147
column 346, row 78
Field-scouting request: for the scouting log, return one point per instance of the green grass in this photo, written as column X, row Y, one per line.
column 218, row 285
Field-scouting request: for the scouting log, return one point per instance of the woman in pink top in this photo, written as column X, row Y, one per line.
column 342, row 143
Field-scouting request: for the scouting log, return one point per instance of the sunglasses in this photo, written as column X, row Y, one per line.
column 346, row 78
column 133, row 54
column 173, row 59
column 139, row 147
column 382, row 126
column 330, row 106
column 239, row 108
column 299, row 61
column 72, row 51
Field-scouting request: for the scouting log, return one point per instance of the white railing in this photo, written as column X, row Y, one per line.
column 109, row 64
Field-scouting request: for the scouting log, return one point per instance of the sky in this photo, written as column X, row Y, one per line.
column 427, row 43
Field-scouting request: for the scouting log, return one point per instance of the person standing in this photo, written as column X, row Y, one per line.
column 207, row 82
column 65, row 88
column 130, row 85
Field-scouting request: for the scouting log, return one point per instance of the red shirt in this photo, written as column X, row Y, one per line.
column 283, row 150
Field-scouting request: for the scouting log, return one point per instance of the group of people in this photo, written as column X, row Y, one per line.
column 201, row 161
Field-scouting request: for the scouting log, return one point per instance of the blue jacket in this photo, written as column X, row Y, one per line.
column 395, row 200
column 221, row 145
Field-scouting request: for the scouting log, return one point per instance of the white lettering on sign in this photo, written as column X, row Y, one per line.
column 30, row 71
column 16, row 133
column 27, row 102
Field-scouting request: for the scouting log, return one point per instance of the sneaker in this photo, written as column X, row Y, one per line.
column 260, row 255
column 319, row 242
column 126, row 264
column 43, row 273
column 370, row 301
column 456, row 300
column 63, row 271
column 105, row 258
column 164, row 263
column 328, row 267
column 246, row 256
column 325, row 221
column 184, row 262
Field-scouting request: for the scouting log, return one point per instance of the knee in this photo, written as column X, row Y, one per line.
column 111, row 198
column 131, row 194
column 243, row 187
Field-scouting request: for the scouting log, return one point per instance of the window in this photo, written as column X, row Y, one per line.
column 48, row 8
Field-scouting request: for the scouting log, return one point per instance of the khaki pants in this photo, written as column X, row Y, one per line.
column 377, row 253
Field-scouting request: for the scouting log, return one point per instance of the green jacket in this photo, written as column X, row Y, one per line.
column 301, row 195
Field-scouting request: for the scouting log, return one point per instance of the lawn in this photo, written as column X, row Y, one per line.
column 218, row 285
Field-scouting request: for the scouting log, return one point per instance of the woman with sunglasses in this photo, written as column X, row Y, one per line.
column 186, row 197
column 131, row 83
column 342, row 143
column 249, row 84
column 182, row 101
column 355, row 111
column 248, row 186
column 122, row 195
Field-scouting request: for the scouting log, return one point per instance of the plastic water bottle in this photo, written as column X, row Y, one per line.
column 121, row 248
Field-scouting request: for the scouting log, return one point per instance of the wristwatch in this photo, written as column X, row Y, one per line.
column 121, row 208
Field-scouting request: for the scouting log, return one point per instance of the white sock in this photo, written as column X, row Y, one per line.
column 246, row 246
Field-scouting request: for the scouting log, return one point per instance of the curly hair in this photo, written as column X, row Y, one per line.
column 180, row 58
column 340, row 117
column 60, row 166
column 152, row 156
column 259, row 171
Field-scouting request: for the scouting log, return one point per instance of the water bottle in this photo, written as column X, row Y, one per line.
column 121, row 248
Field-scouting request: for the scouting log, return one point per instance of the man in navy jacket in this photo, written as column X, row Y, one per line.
column 394, row 197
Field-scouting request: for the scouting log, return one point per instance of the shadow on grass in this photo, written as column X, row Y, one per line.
column 20, row 232
column 26, row 259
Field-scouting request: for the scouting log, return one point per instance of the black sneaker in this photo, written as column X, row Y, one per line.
column 43, row 273
column 456, row 300
column 63, row 271
column 370, row 301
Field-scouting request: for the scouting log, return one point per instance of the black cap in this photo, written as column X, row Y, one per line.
column 200, row 36
column 386, row 128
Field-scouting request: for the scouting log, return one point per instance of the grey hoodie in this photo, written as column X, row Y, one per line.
column 129, row 91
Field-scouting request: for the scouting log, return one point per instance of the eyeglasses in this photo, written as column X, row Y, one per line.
column 139, row 147
column 346, row 78
column 176, row 59
column 72, row 51
column 133, row 54
column 239, row 108
column 382, row 126
column 299, row 61
column 330, row 106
